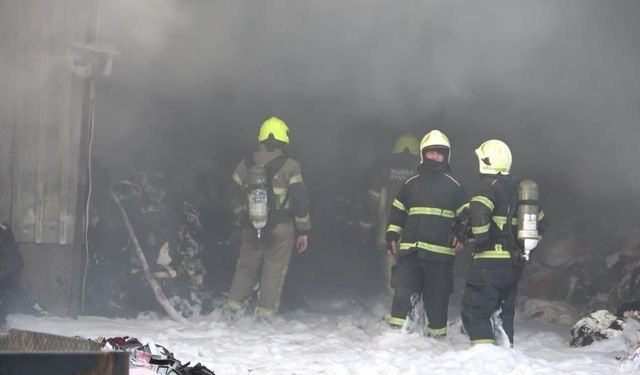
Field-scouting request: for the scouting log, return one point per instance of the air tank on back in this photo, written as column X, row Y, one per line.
column 528, row 235
column 257, row 198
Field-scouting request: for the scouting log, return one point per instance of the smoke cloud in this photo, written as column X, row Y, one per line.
column 557, row 80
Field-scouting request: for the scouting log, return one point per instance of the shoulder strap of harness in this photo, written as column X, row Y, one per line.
column 512, row 211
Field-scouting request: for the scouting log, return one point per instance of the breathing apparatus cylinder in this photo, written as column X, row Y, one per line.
column 257, row 197
column 528, row 195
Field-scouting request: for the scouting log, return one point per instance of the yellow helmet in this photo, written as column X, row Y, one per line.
column 406, row 142
column 435, row 139
column 494, row 157
column 275, row 127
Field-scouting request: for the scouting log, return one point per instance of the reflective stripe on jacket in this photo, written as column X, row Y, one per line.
column 423, row 214
column 489, row 209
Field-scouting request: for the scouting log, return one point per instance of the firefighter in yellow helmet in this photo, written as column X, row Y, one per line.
column 421, row 237
column 273, row 211
column 383, row 184
column 496, row 269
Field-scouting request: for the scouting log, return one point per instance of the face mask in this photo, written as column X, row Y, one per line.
column 432, row 165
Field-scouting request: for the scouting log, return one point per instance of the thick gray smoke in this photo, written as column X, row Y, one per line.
column 557, row 80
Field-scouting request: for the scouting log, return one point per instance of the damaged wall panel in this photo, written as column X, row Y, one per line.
column 8, row 83
column 42, row 120
column 48, row 123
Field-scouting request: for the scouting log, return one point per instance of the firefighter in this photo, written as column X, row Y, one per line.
column 421, row 236
column 384, row 184
column 265, row 252
column 497, row 265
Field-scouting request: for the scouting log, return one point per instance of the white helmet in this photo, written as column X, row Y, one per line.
column 494, row 157
column 435, row 139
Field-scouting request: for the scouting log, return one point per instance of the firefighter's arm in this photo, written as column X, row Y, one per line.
column 462, row 221
column 299, row 201
column 481, row 208
column 397, row 216
column 397, row 220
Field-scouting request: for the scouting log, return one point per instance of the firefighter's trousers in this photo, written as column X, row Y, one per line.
column 264, row 261
column 433, row 281
column 486, row 291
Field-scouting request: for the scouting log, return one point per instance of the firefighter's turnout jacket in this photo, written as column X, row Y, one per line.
column 287, row 185
column 384, row 185
column 494, row 276
column 422, row 219
column 266, row 260
column 423, row 215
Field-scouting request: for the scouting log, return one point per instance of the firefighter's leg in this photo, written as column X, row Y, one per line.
column 406, row 282
column 508, row 304
column 277, row 254
column 479, row 302
column 247, row 269
column 437, row 286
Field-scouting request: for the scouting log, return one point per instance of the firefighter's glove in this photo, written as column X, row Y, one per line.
column 392, row 248
column 302, row 242
column 462, row 229
column 457, row 244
